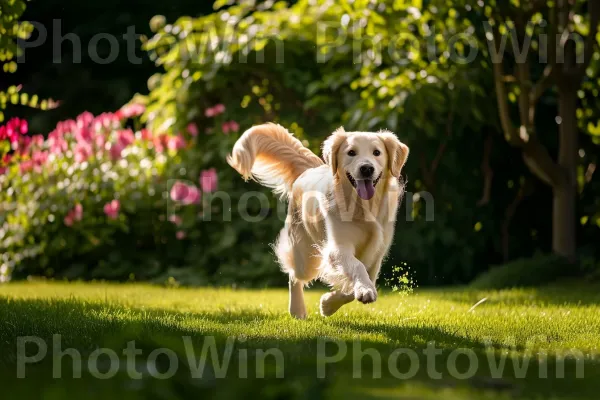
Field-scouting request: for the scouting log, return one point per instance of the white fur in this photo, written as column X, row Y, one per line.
column 330, row 233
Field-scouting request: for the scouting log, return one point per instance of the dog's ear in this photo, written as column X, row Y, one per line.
column 331, row 147
column 397, row 152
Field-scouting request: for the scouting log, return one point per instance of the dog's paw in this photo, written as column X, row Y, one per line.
column 329, row 304
column 327, row 307
column 365, row 294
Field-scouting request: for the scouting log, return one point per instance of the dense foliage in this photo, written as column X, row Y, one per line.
column 438, row 106
column 421, row 69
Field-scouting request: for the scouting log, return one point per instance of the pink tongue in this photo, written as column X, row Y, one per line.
column 365, row 189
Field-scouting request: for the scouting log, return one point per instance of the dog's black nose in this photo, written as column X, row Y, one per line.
column 367, row 171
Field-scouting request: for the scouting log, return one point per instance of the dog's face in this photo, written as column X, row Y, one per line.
column 363, row 157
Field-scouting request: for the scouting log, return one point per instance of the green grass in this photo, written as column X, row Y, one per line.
column 515, row 323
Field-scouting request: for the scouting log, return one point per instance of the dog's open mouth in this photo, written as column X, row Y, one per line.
column 364, row 187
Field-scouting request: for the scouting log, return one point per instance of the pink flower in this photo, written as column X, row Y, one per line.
column 230, row 126
column 11, row 134
column 125, row 137
column 68, row 220
column 112, row 209
column 176, row 219
column 64, row 127
column 234, row 126
column 225, row 128
column 219, row 109
column 116, row 150
column 146, row 134
column 84, row 120
column 39, row 158
column 175, row 142
column 57, row 143
column 23, row 127
column 13, row 128
column 184, row 193
column 180, row 235
column 83, row 134
column 37, row 140
column 214, row 111
column 193, row 129
column 159, row 142
column 100, row 140
column 26, row 166
column 208, row 180
column 77, row 212
column 130, row 110
column 22, row 144
column 105, row 120
column 83, row 151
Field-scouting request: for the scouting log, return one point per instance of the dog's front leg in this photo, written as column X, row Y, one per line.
column 356, row 272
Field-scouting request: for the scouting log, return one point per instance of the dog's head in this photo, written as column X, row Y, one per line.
column 364, row 157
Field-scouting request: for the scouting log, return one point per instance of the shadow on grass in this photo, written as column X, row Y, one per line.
column 86, row 326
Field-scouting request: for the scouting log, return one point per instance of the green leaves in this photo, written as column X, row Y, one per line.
column 594, row 130
column 11, row 30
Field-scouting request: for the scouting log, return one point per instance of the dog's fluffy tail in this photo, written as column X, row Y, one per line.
column 273, row 157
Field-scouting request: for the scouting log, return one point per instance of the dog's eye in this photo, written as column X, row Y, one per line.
column 376, row 153
column 351, row 153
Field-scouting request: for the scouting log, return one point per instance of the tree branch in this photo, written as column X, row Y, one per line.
column 524, row 79
column 541, row 164
column 535, row 155
column 545, row 82
column 510, row 133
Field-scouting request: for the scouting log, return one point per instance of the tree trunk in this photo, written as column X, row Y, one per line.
column 564, row 221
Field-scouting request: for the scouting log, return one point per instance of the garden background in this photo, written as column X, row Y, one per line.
column 111, row 169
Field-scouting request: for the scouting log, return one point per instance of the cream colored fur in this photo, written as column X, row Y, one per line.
column 331, row 233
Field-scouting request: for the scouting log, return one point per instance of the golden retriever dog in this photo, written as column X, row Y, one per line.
column 341, row 211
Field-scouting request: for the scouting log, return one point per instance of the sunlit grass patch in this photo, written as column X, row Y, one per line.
column 518, row 324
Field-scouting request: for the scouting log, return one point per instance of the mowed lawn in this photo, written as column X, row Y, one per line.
column 521, row 343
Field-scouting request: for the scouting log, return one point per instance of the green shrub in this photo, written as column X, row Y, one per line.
column 102, row 197
column 535, row 271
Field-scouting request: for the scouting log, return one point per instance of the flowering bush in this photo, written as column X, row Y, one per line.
column 103, row 197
